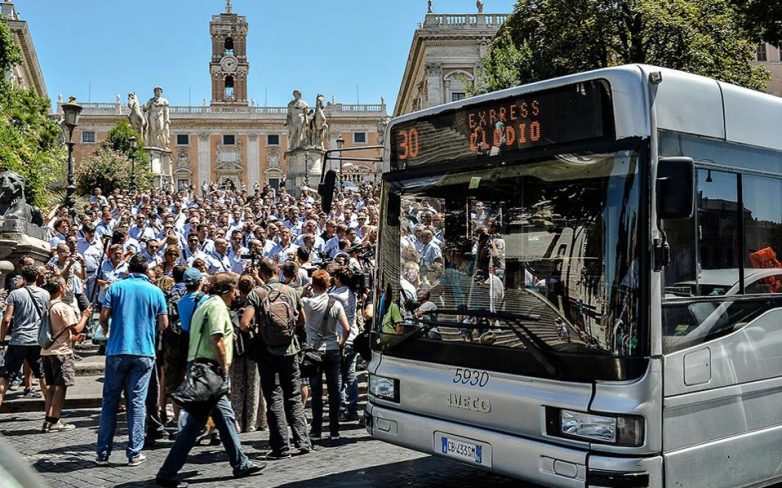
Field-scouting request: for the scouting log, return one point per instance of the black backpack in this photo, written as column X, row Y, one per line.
column 176, row 342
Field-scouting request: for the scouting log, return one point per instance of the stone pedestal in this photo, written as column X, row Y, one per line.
column 304, row 168
column 19, row 238
column 160, row 164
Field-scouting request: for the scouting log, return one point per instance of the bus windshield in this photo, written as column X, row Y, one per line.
column 541, row 254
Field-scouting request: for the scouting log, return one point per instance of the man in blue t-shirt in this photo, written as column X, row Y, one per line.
column 137, row 310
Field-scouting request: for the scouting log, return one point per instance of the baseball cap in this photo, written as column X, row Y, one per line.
column 192, row 276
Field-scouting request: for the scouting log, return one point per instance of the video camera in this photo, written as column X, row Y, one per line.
column 253, row 258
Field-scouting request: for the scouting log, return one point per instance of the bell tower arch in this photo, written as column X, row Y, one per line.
column 228, row 67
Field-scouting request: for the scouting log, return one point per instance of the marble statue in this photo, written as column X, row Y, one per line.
column 479, row 4
column 136, row 116
column 12, row 201
column 297, row 121
column 429, row 7
column 381, row 131
column 158, row 123
column 62, row 136
column 318, row 126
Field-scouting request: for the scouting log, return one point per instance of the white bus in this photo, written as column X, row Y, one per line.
column 579, row 282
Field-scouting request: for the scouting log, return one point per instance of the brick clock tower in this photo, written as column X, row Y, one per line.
column 229, row 67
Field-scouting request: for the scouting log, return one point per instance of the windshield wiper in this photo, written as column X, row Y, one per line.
column 534, row 344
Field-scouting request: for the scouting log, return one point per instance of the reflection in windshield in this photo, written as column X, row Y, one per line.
column 552, row 243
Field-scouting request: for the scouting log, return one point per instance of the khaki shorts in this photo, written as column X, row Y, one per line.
column 59, row 370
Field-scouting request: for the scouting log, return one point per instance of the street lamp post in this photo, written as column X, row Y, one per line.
column 340, row 145
column 71, row 110
column 133, row 145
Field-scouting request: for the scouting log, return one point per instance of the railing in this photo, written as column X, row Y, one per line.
column 341, row 107
column 185, row 110
column 93, row 108
column 464, row 21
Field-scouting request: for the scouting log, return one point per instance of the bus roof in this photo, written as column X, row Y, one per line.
column 711, row 108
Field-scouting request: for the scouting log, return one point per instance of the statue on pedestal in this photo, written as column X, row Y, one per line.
column 297, row 121
column 12, row 201
column 479, row 4
column 318, row 126
column 158, row 122
column 136, row 116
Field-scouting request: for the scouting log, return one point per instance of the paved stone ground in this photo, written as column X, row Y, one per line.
column 66, row 460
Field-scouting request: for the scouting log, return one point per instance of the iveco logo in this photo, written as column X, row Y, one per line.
column 468, row 402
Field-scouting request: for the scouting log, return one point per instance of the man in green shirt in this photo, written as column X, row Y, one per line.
column 211, row 338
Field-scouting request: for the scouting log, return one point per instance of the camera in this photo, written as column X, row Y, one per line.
column 253, row 258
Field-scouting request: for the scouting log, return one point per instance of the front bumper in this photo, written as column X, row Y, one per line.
column 535, row 461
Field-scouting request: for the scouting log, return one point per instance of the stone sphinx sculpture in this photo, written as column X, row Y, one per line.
column 12, row 201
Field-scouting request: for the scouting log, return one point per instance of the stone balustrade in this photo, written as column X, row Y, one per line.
column 93, row 108
column 463, row 21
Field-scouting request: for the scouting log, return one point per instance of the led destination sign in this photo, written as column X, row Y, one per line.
column 568, row 114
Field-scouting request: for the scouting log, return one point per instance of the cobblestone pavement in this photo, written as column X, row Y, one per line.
column 66, row 460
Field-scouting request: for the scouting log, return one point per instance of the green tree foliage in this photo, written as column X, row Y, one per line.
column 28, row 138
column 762, row 18
column 549, row 38
column 111, row 166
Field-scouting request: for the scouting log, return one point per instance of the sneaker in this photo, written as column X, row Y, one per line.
column 60, row 426
column 249, row 470
column 348, row 417
column 171, row 483
column 306, row 449
column 334, row 437
column 30, row 393
column 315, row 436
column 102, row 460
column 137, row 459
column 45, row 427
column 276, row 456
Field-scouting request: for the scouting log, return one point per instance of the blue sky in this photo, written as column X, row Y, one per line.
column 94, row 49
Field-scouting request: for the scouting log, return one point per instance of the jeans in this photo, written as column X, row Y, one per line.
column 129, row 373
column 223, row 416
column 332, row 366
column 348, row 394
column 281, row 387
column 155, row 428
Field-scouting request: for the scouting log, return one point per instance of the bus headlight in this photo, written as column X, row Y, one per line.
column 622, row 430
column 384, row 388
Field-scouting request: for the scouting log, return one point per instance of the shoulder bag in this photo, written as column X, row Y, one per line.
column 204, row 383
column 311, row 358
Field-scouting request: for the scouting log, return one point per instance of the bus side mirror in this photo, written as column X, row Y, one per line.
column 675, row 188
column 326, row 190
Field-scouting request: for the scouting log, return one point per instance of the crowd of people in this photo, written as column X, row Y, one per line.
column 262, row 285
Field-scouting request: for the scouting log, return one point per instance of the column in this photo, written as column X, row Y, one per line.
column 434, row 78
column 253, row 161
column 204, row 157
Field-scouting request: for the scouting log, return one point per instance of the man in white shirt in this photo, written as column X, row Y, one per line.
column 218, row 259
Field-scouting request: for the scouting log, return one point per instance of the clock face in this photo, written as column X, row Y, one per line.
column 229, row 63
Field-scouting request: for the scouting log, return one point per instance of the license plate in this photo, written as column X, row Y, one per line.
column 463, row 449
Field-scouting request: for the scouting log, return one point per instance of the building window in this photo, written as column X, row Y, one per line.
column 273, row 140
column 182, row 139
column 88, row 137
column 456, row 96
column 229, row 46
column 359, row 137
column 229, row 139
column 229, row 88
column 760, row 53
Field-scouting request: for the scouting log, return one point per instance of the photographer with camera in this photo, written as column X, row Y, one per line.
column 343, row 291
